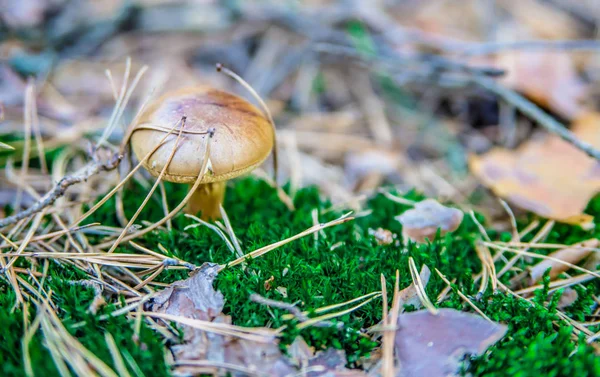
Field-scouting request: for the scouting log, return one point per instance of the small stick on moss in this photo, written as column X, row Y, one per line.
column 300, row 315
column 279, row 304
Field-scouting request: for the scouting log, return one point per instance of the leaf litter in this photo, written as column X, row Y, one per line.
column 195, row 298
column 433, row 344
column 427, row 217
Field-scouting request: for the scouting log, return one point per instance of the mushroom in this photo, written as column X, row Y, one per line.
column 242, row 140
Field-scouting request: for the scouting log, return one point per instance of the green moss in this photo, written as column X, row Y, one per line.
column 342, row 264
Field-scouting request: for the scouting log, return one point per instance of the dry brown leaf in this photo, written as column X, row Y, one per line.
column 433, row 345
column 572, row 254
column 362, row 163
column 409, row 295
column 549, row 78
column 423, row 221
column 194, row 297
column 331, row 363
column 544, row 19
column 328, row 363
column 587, row 128
column 568, row 298
column 549, row 177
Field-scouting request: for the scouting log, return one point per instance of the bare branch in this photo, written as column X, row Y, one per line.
column 92, row 168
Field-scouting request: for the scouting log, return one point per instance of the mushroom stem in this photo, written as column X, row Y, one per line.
column 207, row 199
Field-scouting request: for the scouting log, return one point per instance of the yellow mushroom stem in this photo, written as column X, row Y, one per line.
column 206, row 200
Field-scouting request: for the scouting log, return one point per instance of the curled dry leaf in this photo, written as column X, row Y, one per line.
column 423, row 221
column 572, row 254
column 549, row 177
column 433, row 345
column 196, row 298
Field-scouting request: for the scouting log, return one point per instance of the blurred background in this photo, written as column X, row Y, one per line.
column 365, row 94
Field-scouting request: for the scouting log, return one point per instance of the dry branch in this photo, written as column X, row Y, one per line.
column 92, row 168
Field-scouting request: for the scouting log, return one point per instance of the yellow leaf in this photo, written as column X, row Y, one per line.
column 546, row 176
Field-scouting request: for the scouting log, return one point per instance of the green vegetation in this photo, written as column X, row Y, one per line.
column 343, row 263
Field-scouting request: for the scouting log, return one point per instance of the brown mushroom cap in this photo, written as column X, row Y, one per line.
column 243, row 136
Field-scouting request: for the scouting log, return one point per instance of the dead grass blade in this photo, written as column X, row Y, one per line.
column 572, row 254
column 539, row 256
column 151, row 192
column 414, row 273
column 176, row 210
column 260, row 335
column 263, row 250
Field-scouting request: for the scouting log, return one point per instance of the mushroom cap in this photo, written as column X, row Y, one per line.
column 243, row 137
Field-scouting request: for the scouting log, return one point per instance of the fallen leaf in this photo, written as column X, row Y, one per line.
column 433, row 345
column 568, row 298
column 587, row 128
column 330, row 363
column 423, row 221
column 409, row 296
column 548, row 78
column 300, row 352
column 194, row 297
column 544, row 20
column 572, row 254
column 362, row 163
column 549, row 177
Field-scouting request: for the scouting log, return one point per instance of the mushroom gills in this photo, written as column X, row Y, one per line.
column 207, row 200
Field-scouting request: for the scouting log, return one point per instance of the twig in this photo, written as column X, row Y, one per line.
column 290, row 308
column 495, row 47
column 92, row 168
column 537, row 114
column 279, row 304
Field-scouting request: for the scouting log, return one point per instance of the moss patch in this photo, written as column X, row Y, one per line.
column 343, row 263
